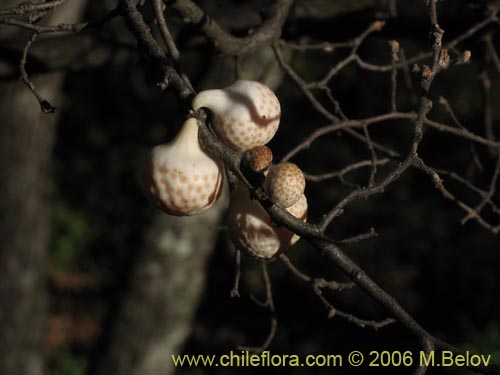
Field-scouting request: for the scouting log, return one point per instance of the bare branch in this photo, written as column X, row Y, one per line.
column 373, row 154
column 306, row 90
column 235, row 292
column 361, row 237
column 492, row 18
column 342, row 172
column 425, row 107
column 345, row 125
column 29, row 7
column 158, row 8
column 488, row 195
column 318, row 282
column 74, row 28
column 361, row 323
column 461, row 133
column 394, row 73
column 269, row 31
column 137, row 26
column 448, row 195
column 45, row 106
column 375, row 26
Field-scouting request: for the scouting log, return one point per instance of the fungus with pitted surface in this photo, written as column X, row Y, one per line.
column 245, row 114
column 284, row 184
column 180, row 178
column 250, row 227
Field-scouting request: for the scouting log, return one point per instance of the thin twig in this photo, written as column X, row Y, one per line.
column 360, row 237
column 375, row 26
column 45, row 105
column 373, row 154
column 394, row 73
column 336, row 105
column 269, row 303
column 448, row 195
column 492, row 18
column 158, row 8
column 362, row 323
column 235, row 291
column 345, row 125
column 425, row 107
column 340, row 173
column 492, row 52
column 455, row 119
column 318, row 282
column 487, row 107
column 489, row 194
column 62, row 27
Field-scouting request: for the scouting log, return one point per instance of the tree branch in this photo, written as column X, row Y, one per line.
column 147, row 43
column 266, row 33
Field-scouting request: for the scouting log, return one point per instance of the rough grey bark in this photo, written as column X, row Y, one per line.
column 166, row 286
column 25, row 139
column 25, row 142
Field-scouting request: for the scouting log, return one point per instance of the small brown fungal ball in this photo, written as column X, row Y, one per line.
column 284, row 184
column 259, row 158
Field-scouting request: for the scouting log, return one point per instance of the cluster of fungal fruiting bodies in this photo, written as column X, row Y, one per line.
column 182, row 179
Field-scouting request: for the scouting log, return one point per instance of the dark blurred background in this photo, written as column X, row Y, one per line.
column 122, row 286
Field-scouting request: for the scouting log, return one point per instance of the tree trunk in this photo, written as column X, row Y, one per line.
column 25, row 142
column 166, row 286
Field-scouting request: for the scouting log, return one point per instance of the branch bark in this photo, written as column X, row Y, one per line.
column 266, row 33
